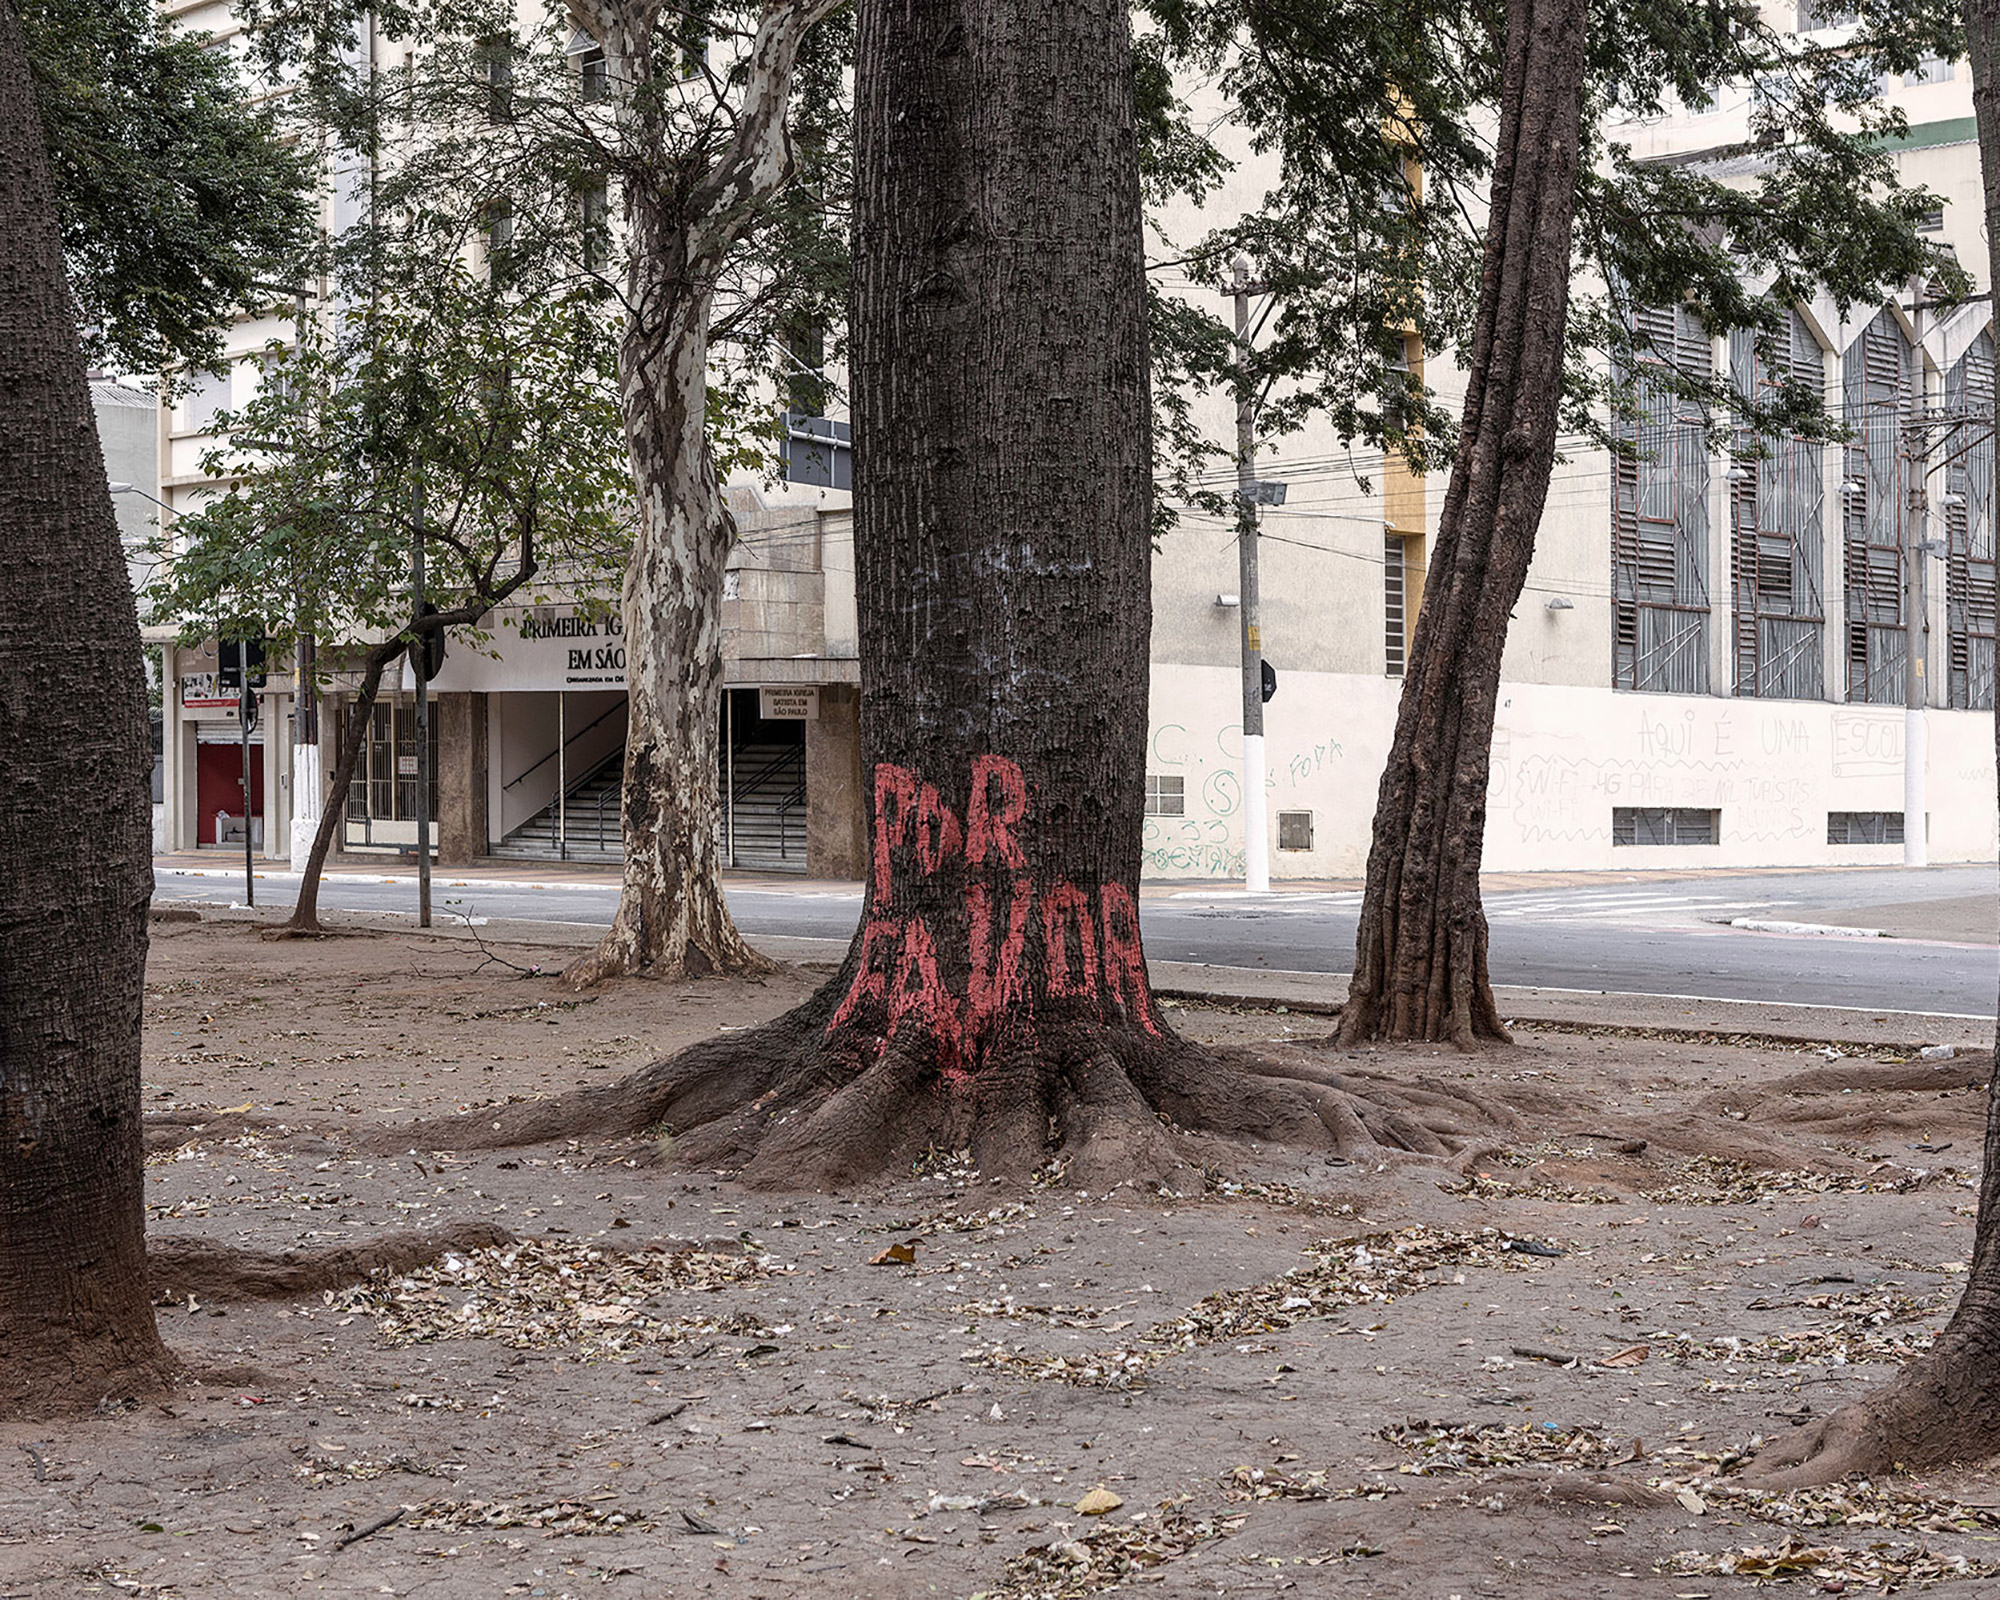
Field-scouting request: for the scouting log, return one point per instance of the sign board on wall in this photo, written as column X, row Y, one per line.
column 788, row 703
column 538, row 648
column 201, row 689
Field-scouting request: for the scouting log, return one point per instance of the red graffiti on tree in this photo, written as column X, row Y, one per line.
column 1090, row 946
column 996, row 974
column 938, row 838
column 988, row 828
column 1063, row 907
column 898, row 788
column 1124, row 957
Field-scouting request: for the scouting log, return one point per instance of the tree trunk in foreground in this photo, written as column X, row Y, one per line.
column 1945, row 1405
column 995, row 999
column 1420, row 961
column 672, row 919
column 76, row 1324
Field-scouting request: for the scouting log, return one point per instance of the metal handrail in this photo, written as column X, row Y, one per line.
column 609, row 712
column 785, row 807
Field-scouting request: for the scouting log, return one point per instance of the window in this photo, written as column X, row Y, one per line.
column 1659, row 511
column 1876, row 401
column 1777, row 529
column 1932, row 221
column 1969, row 567
column 594, row 76
column 1166, row 795
column 1395, row 577
column 499, row 239
column 816, row 451
column 1817, row 14
column 206, row 397
column 494, row 60
column 1664, row 825
column 1295, row 830
column 1932, row 69
column 1864, row 827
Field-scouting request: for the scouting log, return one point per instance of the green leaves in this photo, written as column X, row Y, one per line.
column 174, row 196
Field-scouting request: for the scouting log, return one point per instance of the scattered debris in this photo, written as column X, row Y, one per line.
column 1439, row 1447
column 1108, row 1555
column 539, row 1293
column 1881, row 1567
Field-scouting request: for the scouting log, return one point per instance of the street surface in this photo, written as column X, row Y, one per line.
column 1611, row 933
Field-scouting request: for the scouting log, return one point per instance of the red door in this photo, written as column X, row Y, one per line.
column 218, row 785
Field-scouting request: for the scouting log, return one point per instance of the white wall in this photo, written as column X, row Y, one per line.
column 1563, row 757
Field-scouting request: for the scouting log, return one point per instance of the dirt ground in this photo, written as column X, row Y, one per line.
column 1532, row 1379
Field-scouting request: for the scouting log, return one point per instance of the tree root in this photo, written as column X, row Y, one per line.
column 781, row 1106
column 623, row 953
column 209, row 1271
column 1942, row 1408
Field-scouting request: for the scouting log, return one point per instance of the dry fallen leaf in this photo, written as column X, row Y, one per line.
column 897, row 1255
column 1630, row 1356
column 1097, row 1502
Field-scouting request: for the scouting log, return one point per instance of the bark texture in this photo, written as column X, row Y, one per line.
column 1945, row 1405
column 1420, row 963
column 76, row 873
column 995, row 999
column 672, row 920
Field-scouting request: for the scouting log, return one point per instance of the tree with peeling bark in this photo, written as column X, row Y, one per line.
column 490, row 401
column 995, row 999
column 1945, row 1405
column 655, row 152
column 76, row 1323
column 692, row 189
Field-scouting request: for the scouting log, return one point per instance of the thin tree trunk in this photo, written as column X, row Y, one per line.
column 76, row 1324
column 304, row 919
column 1945, row 1405
column 672, row 919
column 1420, row 962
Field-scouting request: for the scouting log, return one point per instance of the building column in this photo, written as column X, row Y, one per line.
column 461, row 778
column 836, row 832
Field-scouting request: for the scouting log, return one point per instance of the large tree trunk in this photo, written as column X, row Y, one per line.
column 1420, row 962
column 672, row 918
column 76, row 874
column 995, row 999
column 1945, row 1405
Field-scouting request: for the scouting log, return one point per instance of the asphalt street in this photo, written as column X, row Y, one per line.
column 1605, row 934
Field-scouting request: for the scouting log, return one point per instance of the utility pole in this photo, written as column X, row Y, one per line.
column 246, row 719
column 1916, row 685
column 1256, row 825
column 420, row 662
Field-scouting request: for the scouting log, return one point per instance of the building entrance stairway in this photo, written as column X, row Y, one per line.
column 763, row 828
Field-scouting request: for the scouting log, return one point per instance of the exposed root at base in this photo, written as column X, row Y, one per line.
column 617, row 955
column 1935, row 1412
column 210, row 1271
column 784, row 1107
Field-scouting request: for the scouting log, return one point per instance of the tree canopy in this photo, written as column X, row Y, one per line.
column 175, row 194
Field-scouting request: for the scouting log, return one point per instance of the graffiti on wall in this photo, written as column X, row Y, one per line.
column 1206, row 840
column 1748, row 763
